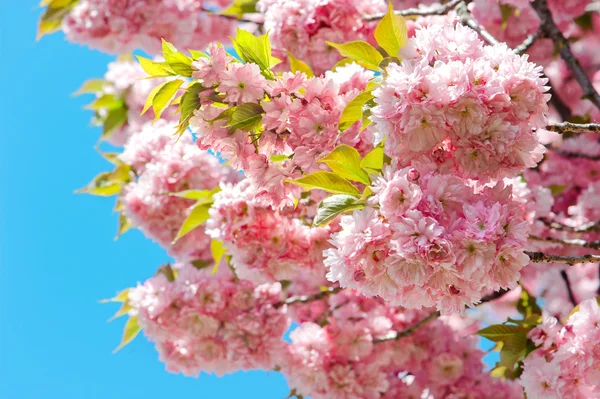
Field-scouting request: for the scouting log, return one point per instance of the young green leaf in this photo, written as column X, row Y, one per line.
column 344, row 161
column 527, row 305
column 167, row 48
column 197, row 194
column 107, row 101
column 90, row 86
column 298, row 66
column 218, row 251
column 155, row 69
column 391, row 33
column 124, row 225
column 255, row 49
column 353, row 112
column 132, row 328
column 114, row 120
column 327, row 181
column 361, row 52
column 373, row 161
column 122, row 296
column 180, row 63
column 333, row 206
column 197, row 217
column 247, row 117
column 162, row 96
column 190, row 102
column 500, row 332
column 239, row 8
column 108, row 183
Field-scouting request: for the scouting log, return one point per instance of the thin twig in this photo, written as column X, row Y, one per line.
column 586, row 228
column 559, row 105
column 564, row 276
column 550, row 30
column 419, row 12
column 574, row 243
column 308, row 298
column 467, row 19
column 528, row 42
column 577, row 128
column 541, row 257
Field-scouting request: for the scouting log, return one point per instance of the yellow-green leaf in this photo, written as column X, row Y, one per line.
column 391, row 33
column 105, row 184
column 114, row 120
column 122, row 296
column 218, row 251
column 196, row 194
column 298, row 66
column 255, row 49
column 501, row 332
column 240, row 7
column 132, row 328
column 353, row 112
column 333, row 206
column 190, row 101
column 180, row 63
column 161, row 96
column 107, row 101
column 247, row 117
column 197, row 217
column 90, row 86
column 327, row 181
column 344, row 161
column 155, row 69
column 124, row 225
column 361, row 52
column 373, row 161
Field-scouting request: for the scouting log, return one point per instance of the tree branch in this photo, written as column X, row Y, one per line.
column 467, row 20
column 309, row 298
column 541, row 257
column 564, row 276
column 577, row 128
column 528, row 42
column 550, row 30
column 586, row 228
column 575, row 243
column 559, row 105
column 420, row 12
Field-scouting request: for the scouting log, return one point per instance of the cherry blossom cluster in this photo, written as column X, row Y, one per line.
column 300, row 120
column 119, row 26
column 164, row 167
column 463, row 108
column 202, row 322
column 430, row 239
column 265, row 244
column 343, row 354
column 565, row 364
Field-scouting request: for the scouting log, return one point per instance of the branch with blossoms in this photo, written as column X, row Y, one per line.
column 540, row 257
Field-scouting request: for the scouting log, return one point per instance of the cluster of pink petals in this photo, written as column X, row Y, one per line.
column 301, row 121
column 337, row 356
column 202, row 322
column 125, row 80
column 565, row 365
column 461, row 107
column 120, row 26
column 165, row 166
column 430, row 239
column 266, row 244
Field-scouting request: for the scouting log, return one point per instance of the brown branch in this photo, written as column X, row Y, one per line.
column 420, row 12
column 541, row 257
column 574, row 243
column 308, row 298
column 467, row 19
column 550, row 30
column 586, row 228
column 564, row 276
column 528, row 42
column 577, row 128
column 559, row 105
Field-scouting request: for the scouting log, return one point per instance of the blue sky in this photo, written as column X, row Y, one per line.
column 57, row 253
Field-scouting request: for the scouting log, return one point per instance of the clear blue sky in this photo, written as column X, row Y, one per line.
column 57, row 254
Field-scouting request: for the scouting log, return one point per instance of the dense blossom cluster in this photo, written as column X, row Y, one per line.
column 266, row 245
column 461, row 107
column 301, row 120
column 211, row 323
column 565, row 365
column 343, row 356
column 430, row 240
column 164, row 167
column 117, row 26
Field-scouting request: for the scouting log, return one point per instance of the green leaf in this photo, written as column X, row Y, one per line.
column 327, row 181
column 247, row 117
column 122, row 296
column 197, row 194
column 344, row 161
column 506, row 11
column 132, row 328
column 197, row 217
column 155, row 69
column 361, row 52
column 255, row 49
column 373, row 161
column 190, row 102
column 90, row 86
column 108, row 183
column 197, row 54
column 167, row 48
column 107, row 101
column 333, row 206
column 114, row 120
column 239, row 8
column 124, row 225
column 557, row 189
column 161, row 96
column 391, row 33
column 51, row 20
column 353, row 112
column 218, row 251
column 527, row 305
column 501, row 332
column 298, row 66
column 180, row 63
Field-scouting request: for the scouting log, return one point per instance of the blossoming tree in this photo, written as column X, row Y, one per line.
column 390, row 181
